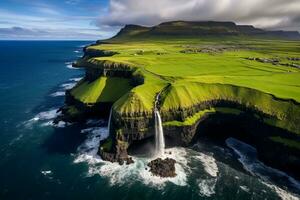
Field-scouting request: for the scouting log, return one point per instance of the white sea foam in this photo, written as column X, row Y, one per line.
column 60, row 124
column 126, row 174
column 76, row 79
column 58, row 94
column 245, row 188
column 46, row 172
column 70, row 65
column 68, row 86
column 46, row 115
column 247, row 156
column 207, row 187
column 96, row 132
column 49, row 123
column 77, row 51
column 283, row 194
column 88, row 150
column 209, row 164
column 139, row 171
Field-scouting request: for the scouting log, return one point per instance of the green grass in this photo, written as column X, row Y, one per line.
column 73, row 111
column 198, row 77
column 103, row 89
column 107, row 146
column 165, row 59
column 193, row 119
column 287, row 142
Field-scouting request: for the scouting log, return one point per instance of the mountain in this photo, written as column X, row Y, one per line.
column 202, row 28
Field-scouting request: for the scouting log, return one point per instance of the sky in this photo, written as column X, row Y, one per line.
column 99, row 19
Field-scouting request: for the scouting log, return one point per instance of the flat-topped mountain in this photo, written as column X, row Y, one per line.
column 202, row 28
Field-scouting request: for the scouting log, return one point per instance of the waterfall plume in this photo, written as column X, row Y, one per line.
column 159, row 134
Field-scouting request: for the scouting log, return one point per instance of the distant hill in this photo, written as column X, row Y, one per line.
column 202, row 28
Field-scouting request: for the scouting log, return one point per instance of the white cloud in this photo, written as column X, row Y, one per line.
column 49, row 34
column 262, row 13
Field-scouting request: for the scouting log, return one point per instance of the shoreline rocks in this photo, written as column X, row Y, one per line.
column 163, row 168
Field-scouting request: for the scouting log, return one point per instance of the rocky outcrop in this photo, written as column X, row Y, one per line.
column 114, row 151
column 163, row 168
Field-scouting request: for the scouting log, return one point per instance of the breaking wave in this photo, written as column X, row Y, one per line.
column 76, row 79
column 69, row 65
column 46, row 115
column 209, row 164
column 248, row 157
column 126, row 174
column 58, row 94
column 207, row 187
column 68, row 86
column 46, row 118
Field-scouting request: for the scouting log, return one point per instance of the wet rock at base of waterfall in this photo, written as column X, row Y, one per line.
column 163, row 168
column 126, row 161
column 129, row 161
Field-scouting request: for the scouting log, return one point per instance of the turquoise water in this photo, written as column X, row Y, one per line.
column 42, row 161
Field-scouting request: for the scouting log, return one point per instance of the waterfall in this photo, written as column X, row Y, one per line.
column 159, row 134
column 109, row 121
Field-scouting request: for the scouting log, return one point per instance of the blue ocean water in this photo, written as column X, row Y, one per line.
column 42, row 161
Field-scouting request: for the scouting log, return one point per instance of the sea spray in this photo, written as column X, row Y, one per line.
column 159, row 134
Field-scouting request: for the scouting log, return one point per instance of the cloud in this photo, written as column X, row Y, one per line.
column 21, row 26
column 49, row 34
column 73, row 2
column 270, row 14
column 69, row 19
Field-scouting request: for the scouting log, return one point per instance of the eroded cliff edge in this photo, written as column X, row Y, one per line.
column 190, row 106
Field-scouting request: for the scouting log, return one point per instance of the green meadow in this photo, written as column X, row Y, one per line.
column 196, row 70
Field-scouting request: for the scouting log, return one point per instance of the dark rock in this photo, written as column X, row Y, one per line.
column 163, row 168
column 129, row 161
column 121, row 161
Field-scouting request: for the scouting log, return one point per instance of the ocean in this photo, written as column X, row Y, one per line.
column 40, row 160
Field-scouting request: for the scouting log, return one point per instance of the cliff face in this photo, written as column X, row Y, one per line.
column 132, row 119
column 124, row 78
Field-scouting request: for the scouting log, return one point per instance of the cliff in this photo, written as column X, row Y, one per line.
column 199, row 79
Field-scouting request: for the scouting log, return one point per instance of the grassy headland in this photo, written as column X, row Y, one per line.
column 195, row 67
